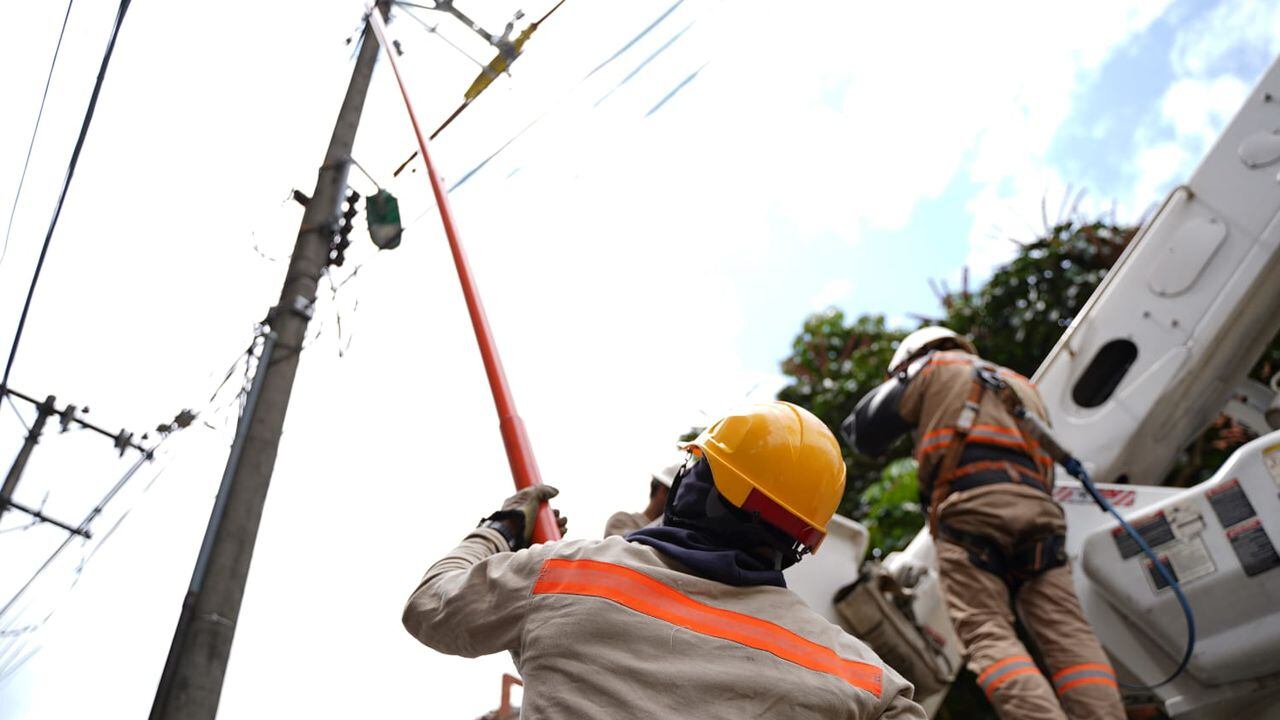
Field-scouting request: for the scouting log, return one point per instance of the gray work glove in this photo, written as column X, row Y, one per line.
column 519, row 512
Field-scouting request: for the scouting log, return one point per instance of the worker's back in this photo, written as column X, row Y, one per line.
column 933, row 401
column 608, row 628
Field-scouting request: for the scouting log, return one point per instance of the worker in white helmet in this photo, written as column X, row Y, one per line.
column 689, row 619
column 1000, row 536
column 623, row 522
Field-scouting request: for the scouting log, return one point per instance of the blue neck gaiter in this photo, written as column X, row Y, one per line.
column 689, row 537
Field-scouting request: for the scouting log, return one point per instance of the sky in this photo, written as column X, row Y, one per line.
column 666, row 208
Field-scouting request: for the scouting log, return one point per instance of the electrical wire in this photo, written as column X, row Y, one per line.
column 433, row 30
column 66, row 183
column 14, row 634
column 1077, row 470
column 84, row 524
column 13, row 210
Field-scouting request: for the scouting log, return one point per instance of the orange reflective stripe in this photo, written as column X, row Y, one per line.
column 1011, row 674
column 1001, row 663
column 936, row 440
column 987, row 465
column 1000, row 672
column 938, row 360
column 982, row 437
column 1083, row 666
column 1084, row 674
column 999, row 430
column 1099, row 680
column 647, row 596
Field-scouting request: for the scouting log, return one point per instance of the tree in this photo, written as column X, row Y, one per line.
column 1027, row 304
column 1015, row 319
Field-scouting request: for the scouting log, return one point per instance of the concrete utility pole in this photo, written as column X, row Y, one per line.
column 192, row 680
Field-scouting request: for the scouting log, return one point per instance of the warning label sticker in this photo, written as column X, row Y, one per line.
column 1186, row 560
column 1078, row 495
column 1154, row 529
column 1253, row 547
column 1271, row 459
column 1230, row 503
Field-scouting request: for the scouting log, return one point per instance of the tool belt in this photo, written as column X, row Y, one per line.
column 878, row 610
column 1024, row 562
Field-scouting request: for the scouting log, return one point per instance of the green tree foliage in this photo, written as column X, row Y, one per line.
column 1015, row 319
column 1020, row 313
column 834, row 363
column 894, row 501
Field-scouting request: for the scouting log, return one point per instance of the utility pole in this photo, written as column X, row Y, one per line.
column 191, row 684
column 43, row 411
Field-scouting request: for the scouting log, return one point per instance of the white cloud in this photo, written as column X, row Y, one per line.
column 1203, row 45
column 1203, row 97
column 1046, row 70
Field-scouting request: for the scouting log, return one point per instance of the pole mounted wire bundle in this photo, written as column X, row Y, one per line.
column 524, row 468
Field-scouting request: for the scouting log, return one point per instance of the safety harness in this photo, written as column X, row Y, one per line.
column 1033, row 556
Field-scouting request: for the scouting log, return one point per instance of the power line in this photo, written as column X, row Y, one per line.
column 66, row 183
column 14, row 633
column 97, row 510
column 35, row 131
column 434, row 30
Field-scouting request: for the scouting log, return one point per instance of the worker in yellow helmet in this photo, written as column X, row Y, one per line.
column 1000, row 536
column 691, row 618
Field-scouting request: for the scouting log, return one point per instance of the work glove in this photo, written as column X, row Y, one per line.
column 520, row 510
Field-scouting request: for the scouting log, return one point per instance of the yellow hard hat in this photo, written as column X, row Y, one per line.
column 780, row 461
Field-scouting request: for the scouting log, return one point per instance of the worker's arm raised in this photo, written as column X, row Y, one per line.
column 474, row 601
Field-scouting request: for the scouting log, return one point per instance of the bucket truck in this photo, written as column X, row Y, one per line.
column 1162, row 347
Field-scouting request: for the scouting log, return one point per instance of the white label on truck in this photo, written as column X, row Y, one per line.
column 1187, row 560
column 1186, row 520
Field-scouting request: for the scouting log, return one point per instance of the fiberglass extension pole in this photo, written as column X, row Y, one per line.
column 519, row 451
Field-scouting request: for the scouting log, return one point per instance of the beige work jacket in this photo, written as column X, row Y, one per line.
column 934, row 399
column 612, row 629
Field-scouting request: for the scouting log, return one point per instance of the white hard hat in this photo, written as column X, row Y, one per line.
column 923, row 339
column 667, row 475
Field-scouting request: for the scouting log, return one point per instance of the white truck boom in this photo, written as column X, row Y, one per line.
column 1162, row 347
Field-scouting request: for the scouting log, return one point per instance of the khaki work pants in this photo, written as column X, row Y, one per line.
column 1081, row 683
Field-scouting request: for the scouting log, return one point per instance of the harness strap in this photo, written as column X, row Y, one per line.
column 1013, row 470
column 959, row 438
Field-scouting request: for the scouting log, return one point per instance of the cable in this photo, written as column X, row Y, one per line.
column 1073, row 466
column 66, row 183
column 1035, row 429
column 14, row 634
column 97, row 510
column 35, row 131
column 433, row 30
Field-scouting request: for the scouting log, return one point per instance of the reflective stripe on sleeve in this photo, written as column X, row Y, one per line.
column 1084, row 674
column 1010, row 667
column 643, row 594
column 933, row 441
